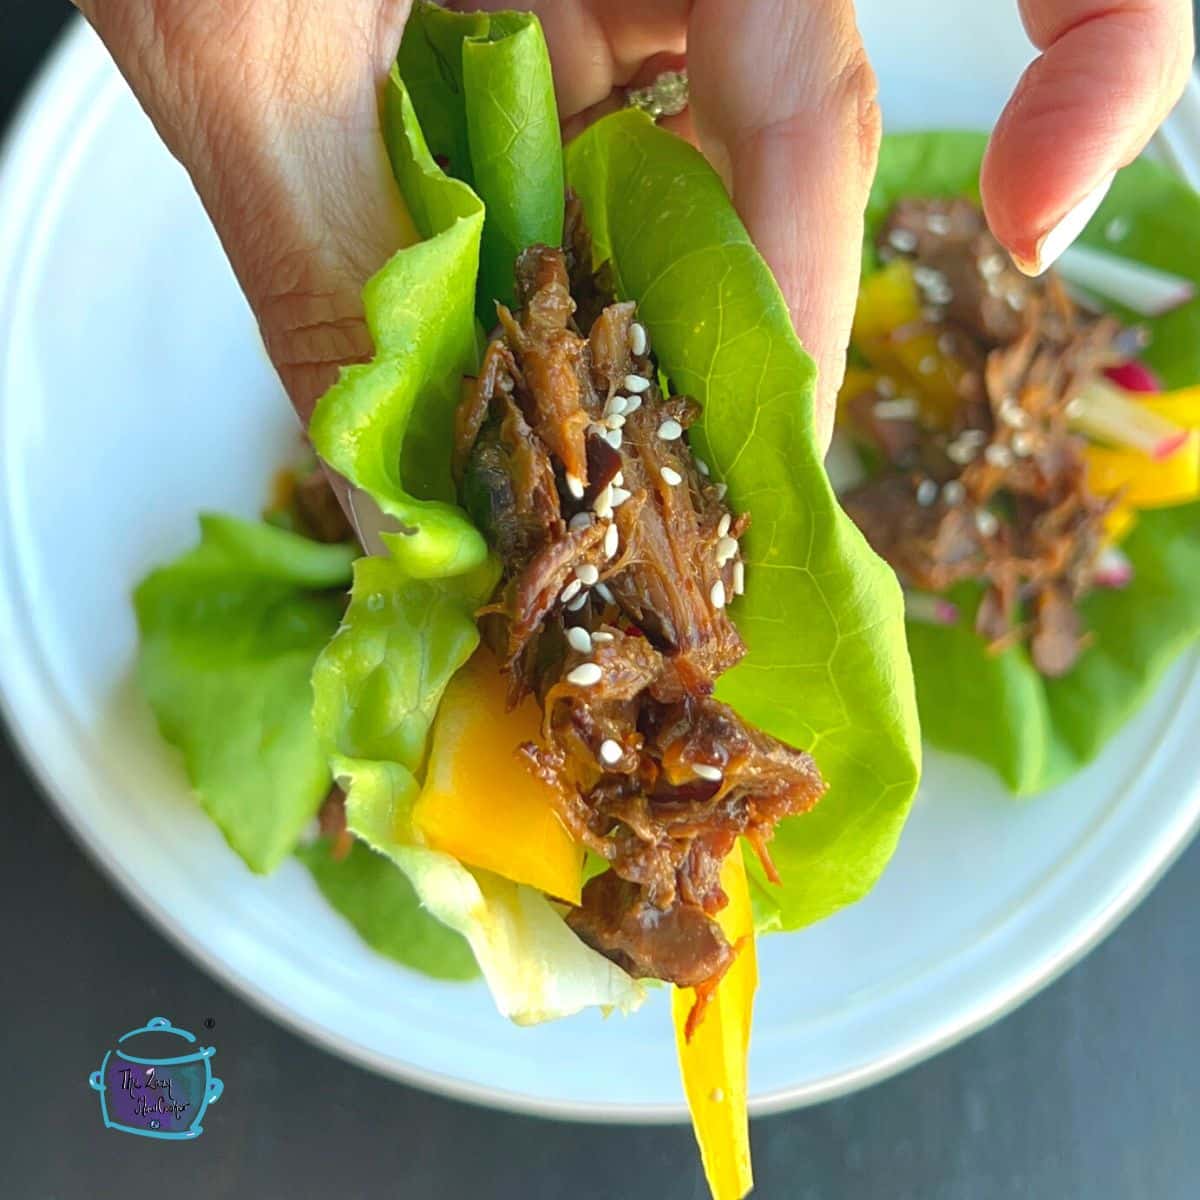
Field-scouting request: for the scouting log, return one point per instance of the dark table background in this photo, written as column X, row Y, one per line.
column 1090, row 1090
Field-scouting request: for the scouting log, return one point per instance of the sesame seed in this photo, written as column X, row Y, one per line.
column 727, row 548
column 945, row 344
column 1012, row 414
column 605, row 594
column 632, row 404
column 927, row 492
column 603, row 499
column 638, row 342
column 618, row 480
column 991, row 265
column 611, row 752
column 612, row 541
column 601, row 635
column 613, row 438
column 986, row 522
column 928, row 277
column 998, row 455
column 579, row 639
column 954, row 492
column 717, row 594
column 707, row 771
column 702, row 467
column 940, row 293
column 1022, row 444
column 1074, row 408
column 585, row 675
column 614, row 422
column 615, row 406
column 903, row 240
column 720, row 489
column 669, row 430
column 1015, row 301
column 570, row 591
column 723, row 524
column 581, row 520
column 579, row 601
column 636, row 384
column 619, row 496
column 671, row 476
column 973, row 437
column 938, row 223
column 885, row 385
column 1117, row 229
column 587, row 574
column 739, row 577
column 575, row 486
column 902, row 409
column 961, row 452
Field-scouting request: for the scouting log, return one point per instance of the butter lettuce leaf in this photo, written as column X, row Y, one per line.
column 382, row 906
column 483, row 92
column 822, row 616
column 997, row 708
column 229, row 635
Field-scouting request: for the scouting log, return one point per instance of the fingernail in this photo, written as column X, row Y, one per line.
column 1052, row 243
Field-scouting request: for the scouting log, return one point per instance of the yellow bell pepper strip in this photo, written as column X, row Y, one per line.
column 1118, row 521
column 1143, row 482
column 857, row 381
column 480, row 803
column 887, row 300
column 1182, row 407
column 713, row 1061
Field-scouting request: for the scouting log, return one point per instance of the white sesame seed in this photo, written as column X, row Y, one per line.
column 954, row 492
column 614, row 422
column 708, row 771
column 1117, row 229
column 960, row 452
column 619, row 496
column 723, row 524
column 579, row 601
column 632, row 404
column 727, row 548
column 1015, row 301
column 605, row 593
column 618, row 480
column 1012, row 414
column 612, row 541
column 613, row 438
column 998, row 455
column 903, row 240
column 671, row 477
column 717, row 594
column 575, row 486
column 636, row 384
column 570, row 591
column 940, row 293
column 1074, row 407
column 616, row 406
column 885, row 385
column 669, row 430
column 702, row 467
column 973, row 437
column 603, row 512
column 991, row 265
column 927, row 492
column 603, row 498
column 638, row 342
column 927, row 365
column 579, row 639
column 720, row 489
column 938, row 223
column 581, row 520
column 611, row 752
column 902, row 409
column 1022, row 444
column 986, row 522
column 587, row 574
column 739, row 577
column 585, row 675
column 601, row 635
column 945, row 344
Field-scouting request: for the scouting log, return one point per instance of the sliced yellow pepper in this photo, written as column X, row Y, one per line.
column 857, row 381
column 479, row 802
column 713, row 1063
column 1119, row 521
column 1143, row 482
column 1181, row 407
column 887, row 299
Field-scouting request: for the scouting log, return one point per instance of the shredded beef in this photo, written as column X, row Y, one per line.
column 579, row 470
column 999, row 495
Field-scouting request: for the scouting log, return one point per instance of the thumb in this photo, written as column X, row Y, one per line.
column 1109, row 72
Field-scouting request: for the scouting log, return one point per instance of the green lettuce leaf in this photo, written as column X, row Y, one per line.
column 384, row 909
column 822, row 615
column 1036, row 732
column 229, row 635
column 483, row 92
column 387, row 425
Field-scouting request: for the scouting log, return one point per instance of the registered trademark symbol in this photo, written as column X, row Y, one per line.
column 209, row 1023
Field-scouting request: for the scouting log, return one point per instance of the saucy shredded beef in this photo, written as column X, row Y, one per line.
column 619, row 558
column 998, row 492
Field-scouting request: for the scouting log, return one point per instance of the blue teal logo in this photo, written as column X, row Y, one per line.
column 157, row 1097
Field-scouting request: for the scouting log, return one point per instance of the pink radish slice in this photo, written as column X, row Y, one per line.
column 1134, row 376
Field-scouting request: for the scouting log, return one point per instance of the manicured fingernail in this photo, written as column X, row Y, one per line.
column 1052, row 243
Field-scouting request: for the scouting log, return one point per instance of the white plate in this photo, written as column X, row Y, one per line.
column 134, row 392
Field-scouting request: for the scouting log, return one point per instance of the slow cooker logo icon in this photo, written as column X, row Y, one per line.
column 158, row 1096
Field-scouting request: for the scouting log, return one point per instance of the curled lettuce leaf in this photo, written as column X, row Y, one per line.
column 822, row 615
column 381, row 905
column 483, row 92
column 997, row 708
column 229, row 635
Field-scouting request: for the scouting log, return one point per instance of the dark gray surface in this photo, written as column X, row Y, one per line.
column 1090, row 1090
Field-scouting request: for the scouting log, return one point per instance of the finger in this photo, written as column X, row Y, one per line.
column 786, row 102
column 1109, row 72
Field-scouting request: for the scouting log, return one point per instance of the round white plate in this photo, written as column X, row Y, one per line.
column 134, row 393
